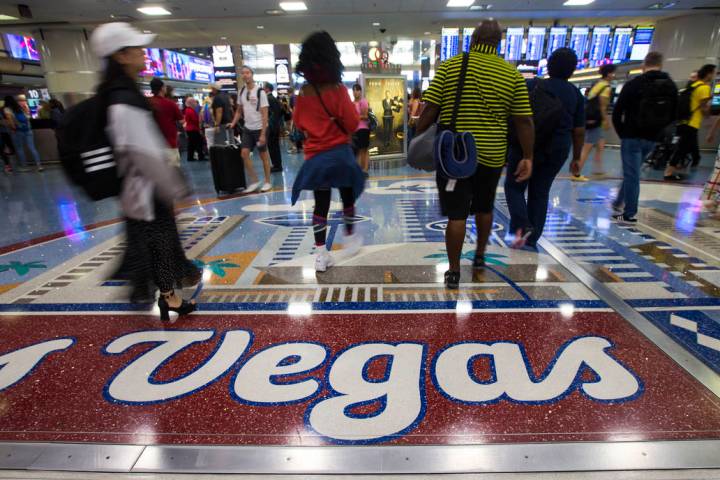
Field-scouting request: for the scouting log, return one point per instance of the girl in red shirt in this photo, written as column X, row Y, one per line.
column 327, row 116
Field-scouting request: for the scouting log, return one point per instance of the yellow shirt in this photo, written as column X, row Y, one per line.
column 701, row 92
column 601, row 88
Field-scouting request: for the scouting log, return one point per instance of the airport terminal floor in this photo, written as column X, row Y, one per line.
column 600, row 352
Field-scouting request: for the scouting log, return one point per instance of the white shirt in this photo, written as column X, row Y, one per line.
column 249, row 102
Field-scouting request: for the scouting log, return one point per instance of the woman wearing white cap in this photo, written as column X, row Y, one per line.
column 150, row 185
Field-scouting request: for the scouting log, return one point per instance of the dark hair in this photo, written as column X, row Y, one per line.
column 114, row 71
column 416, row 92
column 12, row 103
column 156, row 85
column 269, row 86
column 55, row 103
column 606, row 70
column 653, row 59
column 706, row 70
column 319, row 60
column 357, row 87
column 562, row 63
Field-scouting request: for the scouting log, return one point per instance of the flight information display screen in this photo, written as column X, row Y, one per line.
column 557, row 39
column 599, row 45
column 467, row 36
column 643, row 40
column 579, row 41
column 449, row 46
column 514, row 43
column 622, row 41
column 535, row 43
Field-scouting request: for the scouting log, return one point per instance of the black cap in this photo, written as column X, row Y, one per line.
column 156, row 85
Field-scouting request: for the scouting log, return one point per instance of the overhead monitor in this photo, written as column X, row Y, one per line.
column 22, row 47
column 579, row 41
column 622, row 41
column 185, row 67
column 599, row 45
column 642, row 41
column 153, row 63
column 536, row 43
column 557, row 39
column 450, row 38
column 467, row 38
column 513, row 43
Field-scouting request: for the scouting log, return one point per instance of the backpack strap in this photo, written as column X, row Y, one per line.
column 458, row 92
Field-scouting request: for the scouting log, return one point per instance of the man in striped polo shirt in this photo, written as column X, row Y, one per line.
column 494, row 92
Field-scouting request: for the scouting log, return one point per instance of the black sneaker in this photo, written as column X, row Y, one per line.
column 452, row 280
column 276, row 169
column 624, row 220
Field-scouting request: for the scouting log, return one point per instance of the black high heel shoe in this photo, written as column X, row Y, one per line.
column 165, row 309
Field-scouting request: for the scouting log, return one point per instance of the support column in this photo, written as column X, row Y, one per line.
column 71, row 68
column 687, row 43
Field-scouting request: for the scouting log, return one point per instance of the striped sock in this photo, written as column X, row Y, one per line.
column 319, row 229
column 348, row 217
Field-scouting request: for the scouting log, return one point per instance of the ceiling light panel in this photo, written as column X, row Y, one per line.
column 460, row 3
column 155, row 11
column 293, row 6
column 576, row 3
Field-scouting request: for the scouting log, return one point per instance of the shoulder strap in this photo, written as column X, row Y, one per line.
column 458, row 93
column 259, row 91
column 337, row 122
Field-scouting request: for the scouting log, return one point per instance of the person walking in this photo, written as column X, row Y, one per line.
column 57, row 111
column 18, row 122
column 275, row 121
column 598, row 123
column 711, row 192
column 327, row 116
column 150, row 185
column 494, row 92
column 413, row 112
column 361, row 137
column 192, row 128
column 688, row 128
column 167, row 115
column 527, row 218
column 646, row 106
column 253, row 109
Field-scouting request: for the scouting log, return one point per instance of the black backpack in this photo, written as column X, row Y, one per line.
column 684, row 104
column 593, row 112
column 656, row 106
column 85, row 150
column 547, row 113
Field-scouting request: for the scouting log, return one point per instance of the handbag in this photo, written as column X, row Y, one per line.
column 421, row 153
column 455, row 152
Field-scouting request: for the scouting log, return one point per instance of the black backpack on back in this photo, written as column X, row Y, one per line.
column 85, row 150
column 593, row 112
column 547, row 113
column 684, row 104
column 656, row 106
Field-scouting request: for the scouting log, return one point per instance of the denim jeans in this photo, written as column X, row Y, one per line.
column 532, row 213
column 25, row 139
column 633, row 152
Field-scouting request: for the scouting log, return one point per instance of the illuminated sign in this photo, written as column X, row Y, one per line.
column 153, row 63
column 450, row 40
column 641, row 45
column 222, row 56
column 557, row 39
column 514, row 43
column 22, row 47
column 184, row 67
column 536, row 43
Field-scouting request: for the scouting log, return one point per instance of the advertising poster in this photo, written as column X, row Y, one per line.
column 153, row 63
column 184, row 67
column 222, row 56
column 387, row 99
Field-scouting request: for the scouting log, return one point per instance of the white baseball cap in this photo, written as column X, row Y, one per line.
column 112, row 37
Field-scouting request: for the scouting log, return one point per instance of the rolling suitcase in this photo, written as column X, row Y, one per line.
column 228, row 169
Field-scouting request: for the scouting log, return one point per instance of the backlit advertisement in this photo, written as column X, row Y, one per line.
column 222, row 56
column 191, row 69
column 21, row 47
column 153, row 63
column 386, row 96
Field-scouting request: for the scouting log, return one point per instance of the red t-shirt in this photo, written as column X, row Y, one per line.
column 192, row 120
column 321, row 132
column 167, row 114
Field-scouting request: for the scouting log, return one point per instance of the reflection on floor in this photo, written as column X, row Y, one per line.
column 374, row 351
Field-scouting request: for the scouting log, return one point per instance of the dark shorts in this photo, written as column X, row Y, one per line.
column 361, row 139
column 250, row 139
column 470, row 195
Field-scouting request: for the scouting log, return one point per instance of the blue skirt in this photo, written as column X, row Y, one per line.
column 334, row 168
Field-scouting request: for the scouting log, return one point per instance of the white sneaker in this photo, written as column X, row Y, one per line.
column 252, row 187
column 323, row 260
column 266, row 187
column 352, row 244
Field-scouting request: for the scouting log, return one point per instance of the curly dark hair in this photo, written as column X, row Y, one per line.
column 562, row 63
column 319, row 60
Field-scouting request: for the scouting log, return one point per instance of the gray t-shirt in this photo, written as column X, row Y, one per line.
column 222, row 100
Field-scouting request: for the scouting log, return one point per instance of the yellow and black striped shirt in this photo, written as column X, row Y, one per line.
column 493, row 91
